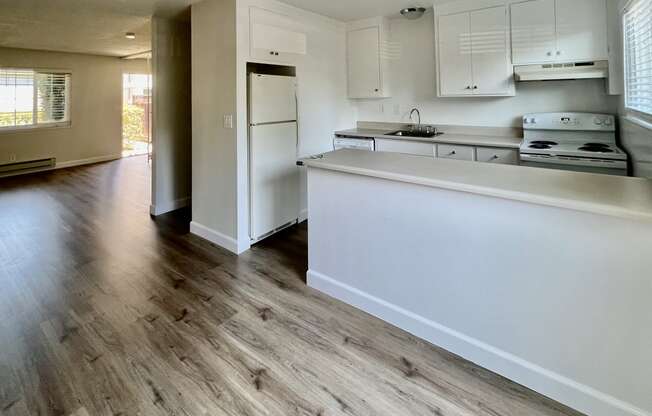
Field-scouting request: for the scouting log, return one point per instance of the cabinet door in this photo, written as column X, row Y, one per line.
column 276, row 38
column 455, row 74
column 533, row 32
column 406, row 146
column 458, row 152
column 499, row 156
column 581, row 30
column 491, row 68
column 363, row 51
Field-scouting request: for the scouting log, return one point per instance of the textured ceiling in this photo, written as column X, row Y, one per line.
column 85, row 26
column 98, row 26
column 349, row 10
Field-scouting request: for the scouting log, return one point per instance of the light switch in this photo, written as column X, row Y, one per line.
column 228, row 121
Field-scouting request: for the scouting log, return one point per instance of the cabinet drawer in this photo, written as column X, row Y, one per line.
column 448, row 151
column 494, row 155
column 405, row 146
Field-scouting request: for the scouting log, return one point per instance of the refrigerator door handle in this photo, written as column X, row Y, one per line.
column 268, row 123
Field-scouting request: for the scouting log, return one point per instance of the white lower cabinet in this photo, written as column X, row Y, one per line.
column 449, row 151
column 406, row 146
column 457, row 152
column 497, row 155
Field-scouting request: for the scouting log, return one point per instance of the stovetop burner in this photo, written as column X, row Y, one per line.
column 596, row 145
column 544, row 143
column 540, row 146
column 596, row 149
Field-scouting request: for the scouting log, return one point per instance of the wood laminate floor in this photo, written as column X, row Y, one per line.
column 104, row 311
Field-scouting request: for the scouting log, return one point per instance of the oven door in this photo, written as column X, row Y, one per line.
column 605, row 167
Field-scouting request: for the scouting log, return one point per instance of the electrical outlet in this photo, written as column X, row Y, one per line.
column 228, row 121
column 12, row 157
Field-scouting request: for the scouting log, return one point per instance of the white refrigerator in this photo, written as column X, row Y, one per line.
column 273, row 174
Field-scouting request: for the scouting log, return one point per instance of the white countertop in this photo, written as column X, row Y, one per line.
column 446, row 138
column 600, row 194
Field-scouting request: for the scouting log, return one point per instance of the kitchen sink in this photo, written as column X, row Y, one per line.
column 416, row 133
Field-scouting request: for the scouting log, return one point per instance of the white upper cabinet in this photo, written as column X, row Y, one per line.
column 473, row 54
column 492, row 72
column 455, row 69
column 559, row 31
column 533, row 32
column 367, row 63
column 582, row 30
column 275, row 37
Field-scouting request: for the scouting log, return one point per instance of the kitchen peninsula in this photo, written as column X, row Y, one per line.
column 540, row 275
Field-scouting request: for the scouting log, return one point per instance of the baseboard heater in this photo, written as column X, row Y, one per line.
column 27, row 165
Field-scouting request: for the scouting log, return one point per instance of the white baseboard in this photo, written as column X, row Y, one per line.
column 168, row 206
column 216, row 237
column 303, row 215
column 566, row 391
column 87, row 161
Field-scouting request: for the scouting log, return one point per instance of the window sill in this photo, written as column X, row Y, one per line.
column 33, row 128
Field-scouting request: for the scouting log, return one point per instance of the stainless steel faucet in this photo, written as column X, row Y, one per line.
column 428, row 129
column 418, row 115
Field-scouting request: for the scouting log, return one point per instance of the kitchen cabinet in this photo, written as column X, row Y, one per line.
column 496, row 155
column 367, row 60
column 533, row 31
column 455, row 73
column 545, row 31
column 457, row 152
column 482, row 154
column 275, row 37
column 406, row 146
column 473, row 54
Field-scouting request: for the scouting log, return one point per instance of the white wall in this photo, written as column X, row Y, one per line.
column 220, row 156
column 171, row 133
column 96, row 108
column 413, row 76
column 635, row 132
column 213, row 29
column 636, row 138
column 322, row 95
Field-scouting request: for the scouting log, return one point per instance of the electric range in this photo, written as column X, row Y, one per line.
column 583, row 142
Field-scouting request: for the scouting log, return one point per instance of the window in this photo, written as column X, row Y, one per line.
column 30, row 98
column 638, row 56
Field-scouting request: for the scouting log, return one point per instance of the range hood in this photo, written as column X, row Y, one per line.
column 574, row 70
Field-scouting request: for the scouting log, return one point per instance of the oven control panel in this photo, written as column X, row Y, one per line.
column 569, row 121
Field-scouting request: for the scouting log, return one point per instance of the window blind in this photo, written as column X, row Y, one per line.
column 637, row 28
column 52, row 97
column 30, row 98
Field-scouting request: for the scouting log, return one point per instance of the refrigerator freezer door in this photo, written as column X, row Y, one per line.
column 272, row 99
column 274, row 177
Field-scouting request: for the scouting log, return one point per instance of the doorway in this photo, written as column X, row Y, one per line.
column 136, row 115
